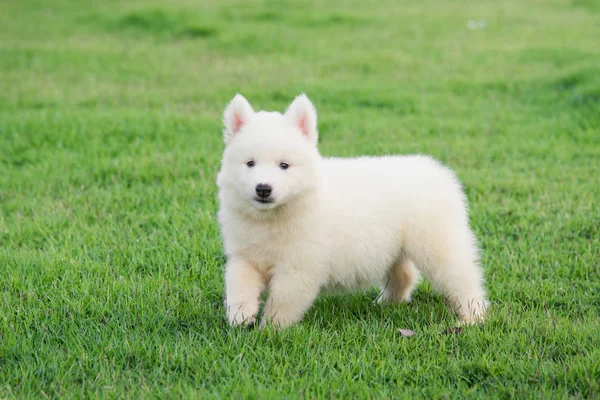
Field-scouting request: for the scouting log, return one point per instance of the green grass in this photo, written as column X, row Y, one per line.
column 110, row 141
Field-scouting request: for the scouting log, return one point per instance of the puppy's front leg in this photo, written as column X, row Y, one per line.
column 244, row 284
column 291, row 293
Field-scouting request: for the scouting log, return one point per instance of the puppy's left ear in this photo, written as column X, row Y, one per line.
column 303, row 115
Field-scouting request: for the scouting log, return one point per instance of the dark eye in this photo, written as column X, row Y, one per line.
column 250, row 163
column 284, row 165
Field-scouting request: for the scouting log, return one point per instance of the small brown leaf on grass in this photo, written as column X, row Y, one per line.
column 452, row 331
column 406, row 332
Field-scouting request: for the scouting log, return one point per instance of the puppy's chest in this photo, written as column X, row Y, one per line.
column 266, row 246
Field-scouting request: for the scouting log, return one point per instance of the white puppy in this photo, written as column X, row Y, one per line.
column 301, row 224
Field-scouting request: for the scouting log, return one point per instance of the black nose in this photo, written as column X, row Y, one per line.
column 263, row 191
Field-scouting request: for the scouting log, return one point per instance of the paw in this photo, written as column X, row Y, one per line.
column 475, row 313
column 241, row 314
column 276, row 321
column 386, row 298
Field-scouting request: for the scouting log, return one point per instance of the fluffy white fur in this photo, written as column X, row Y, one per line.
column 335, row 223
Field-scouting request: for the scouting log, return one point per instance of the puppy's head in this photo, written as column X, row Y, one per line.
column 270, row 159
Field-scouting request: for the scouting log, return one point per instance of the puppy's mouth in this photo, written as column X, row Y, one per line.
column 263, row 201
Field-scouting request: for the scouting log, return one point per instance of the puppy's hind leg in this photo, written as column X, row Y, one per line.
column 450, row 262
column 400, row 283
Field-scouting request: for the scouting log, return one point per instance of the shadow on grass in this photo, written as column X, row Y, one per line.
column 339, row 311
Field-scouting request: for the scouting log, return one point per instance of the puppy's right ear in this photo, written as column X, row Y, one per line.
column 236, row 115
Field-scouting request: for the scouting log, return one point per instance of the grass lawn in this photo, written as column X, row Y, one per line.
column 110, row 141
